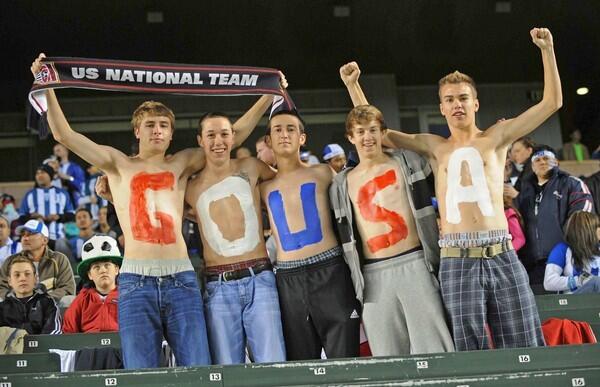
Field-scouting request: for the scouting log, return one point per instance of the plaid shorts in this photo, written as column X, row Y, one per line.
column 489, row 303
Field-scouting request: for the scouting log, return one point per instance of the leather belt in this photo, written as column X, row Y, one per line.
column 239, row 274
column 476, row 252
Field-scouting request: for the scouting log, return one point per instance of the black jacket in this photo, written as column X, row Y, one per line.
column 545, row 214
column 38, row 315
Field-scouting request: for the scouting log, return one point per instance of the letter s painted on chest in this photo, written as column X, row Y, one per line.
column 312, row 234
column 141, row 227
column 375, row 213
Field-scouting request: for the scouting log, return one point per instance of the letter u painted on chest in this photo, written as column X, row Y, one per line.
column 141, row 226
column 374, row 213
column 312, row 234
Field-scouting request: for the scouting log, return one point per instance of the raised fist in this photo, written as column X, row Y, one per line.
column 36, row 66
column 349, row 72
column 541, row 37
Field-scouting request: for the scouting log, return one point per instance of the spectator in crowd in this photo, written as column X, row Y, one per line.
column 546, row 201
column 307, row 157
column 52, row 268
column 573, row 265
column 264, row 152
column 47, row 204
column 8, row 247
column 596, row 154
column 593, row 183
column 26, row 306
column 520, row 152
column 72, row 247
column 70, row 175
column 574, row 149
column 242, row 153
column 515, row 223
column 89, row 198
column 102, row 226
column 95, row 307
column 334, row 155
column 7, row 208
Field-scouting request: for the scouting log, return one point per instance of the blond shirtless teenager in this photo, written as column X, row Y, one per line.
column 388, row 199
column 318, row 304
column 484, row 286
column 158, row 290
column 242, row 306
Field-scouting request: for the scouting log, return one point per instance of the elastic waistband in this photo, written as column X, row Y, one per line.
column 156, row 267
column 486, row 252
column 216, row 270
column 399, row 260
column 325, row 256
column 474, row 238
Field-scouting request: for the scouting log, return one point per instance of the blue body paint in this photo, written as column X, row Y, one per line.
column 312, row 234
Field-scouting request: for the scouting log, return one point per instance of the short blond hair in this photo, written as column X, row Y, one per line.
column 455, row 78
column 151, row 108
column 363, row 114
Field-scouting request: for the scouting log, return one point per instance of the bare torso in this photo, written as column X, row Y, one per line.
column 469, row 179
column 299, row 212
column 148, row 198
column 381, row 210
column 228, row 212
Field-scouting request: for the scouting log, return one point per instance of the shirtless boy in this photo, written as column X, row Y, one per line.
column 318, row 304
column 388, row 198
column 242, row 306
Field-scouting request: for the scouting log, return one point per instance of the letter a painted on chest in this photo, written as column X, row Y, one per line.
column 311, row 234
column 477, row 192
column 374, row 213
column 141, row 227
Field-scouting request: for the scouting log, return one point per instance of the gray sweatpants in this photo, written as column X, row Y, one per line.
column 403, row 311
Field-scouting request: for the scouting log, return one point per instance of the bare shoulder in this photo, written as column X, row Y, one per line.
column 322, row 172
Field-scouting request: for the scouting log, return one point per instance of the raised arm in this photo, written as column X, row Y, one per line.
column 98, row 155
column 349, row 73
column 246, row 123
column 510, row 130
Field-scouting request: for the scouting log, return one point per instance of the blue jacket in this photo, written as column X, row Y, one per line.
column 546, row 214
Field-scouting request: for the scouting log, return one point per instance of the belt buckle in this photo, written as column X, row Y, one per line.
column 225, row 274
column 485, row 252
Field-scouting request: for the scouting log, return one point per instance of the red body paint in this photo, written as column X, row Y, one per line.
column 141, row 227
column 374, row 213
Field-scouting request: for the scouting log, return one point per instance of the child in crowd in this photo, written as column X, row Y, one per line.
column 27, row 306
column 572, row 267
column 95, row 307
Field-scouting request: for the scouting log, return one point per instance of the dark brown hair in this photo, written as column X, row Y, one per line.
column 582, row 237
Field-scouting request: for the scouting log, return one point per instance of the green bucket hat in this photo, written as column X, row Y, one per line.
column 98, row 248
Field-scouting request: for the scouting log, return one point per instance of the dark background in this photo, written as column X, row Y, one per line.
column 417, row 40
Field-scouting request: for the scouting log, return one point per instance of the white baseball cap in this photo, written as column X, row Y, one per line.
column 332, row 150
column 33, row 226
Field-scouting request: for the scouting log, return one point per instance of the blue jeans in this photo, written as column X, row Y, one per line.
column 240, row 310
column 150, row 307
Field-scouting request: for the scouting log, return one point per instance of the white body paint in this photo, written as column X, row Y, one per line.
column 456, row 193
column 240, row 189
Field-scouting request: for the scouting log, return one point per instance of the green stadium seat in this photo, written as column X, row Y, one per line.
column 42, row 343
column 29, row 363
column 567, row 301
column 591, row 316
column 475, row 368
